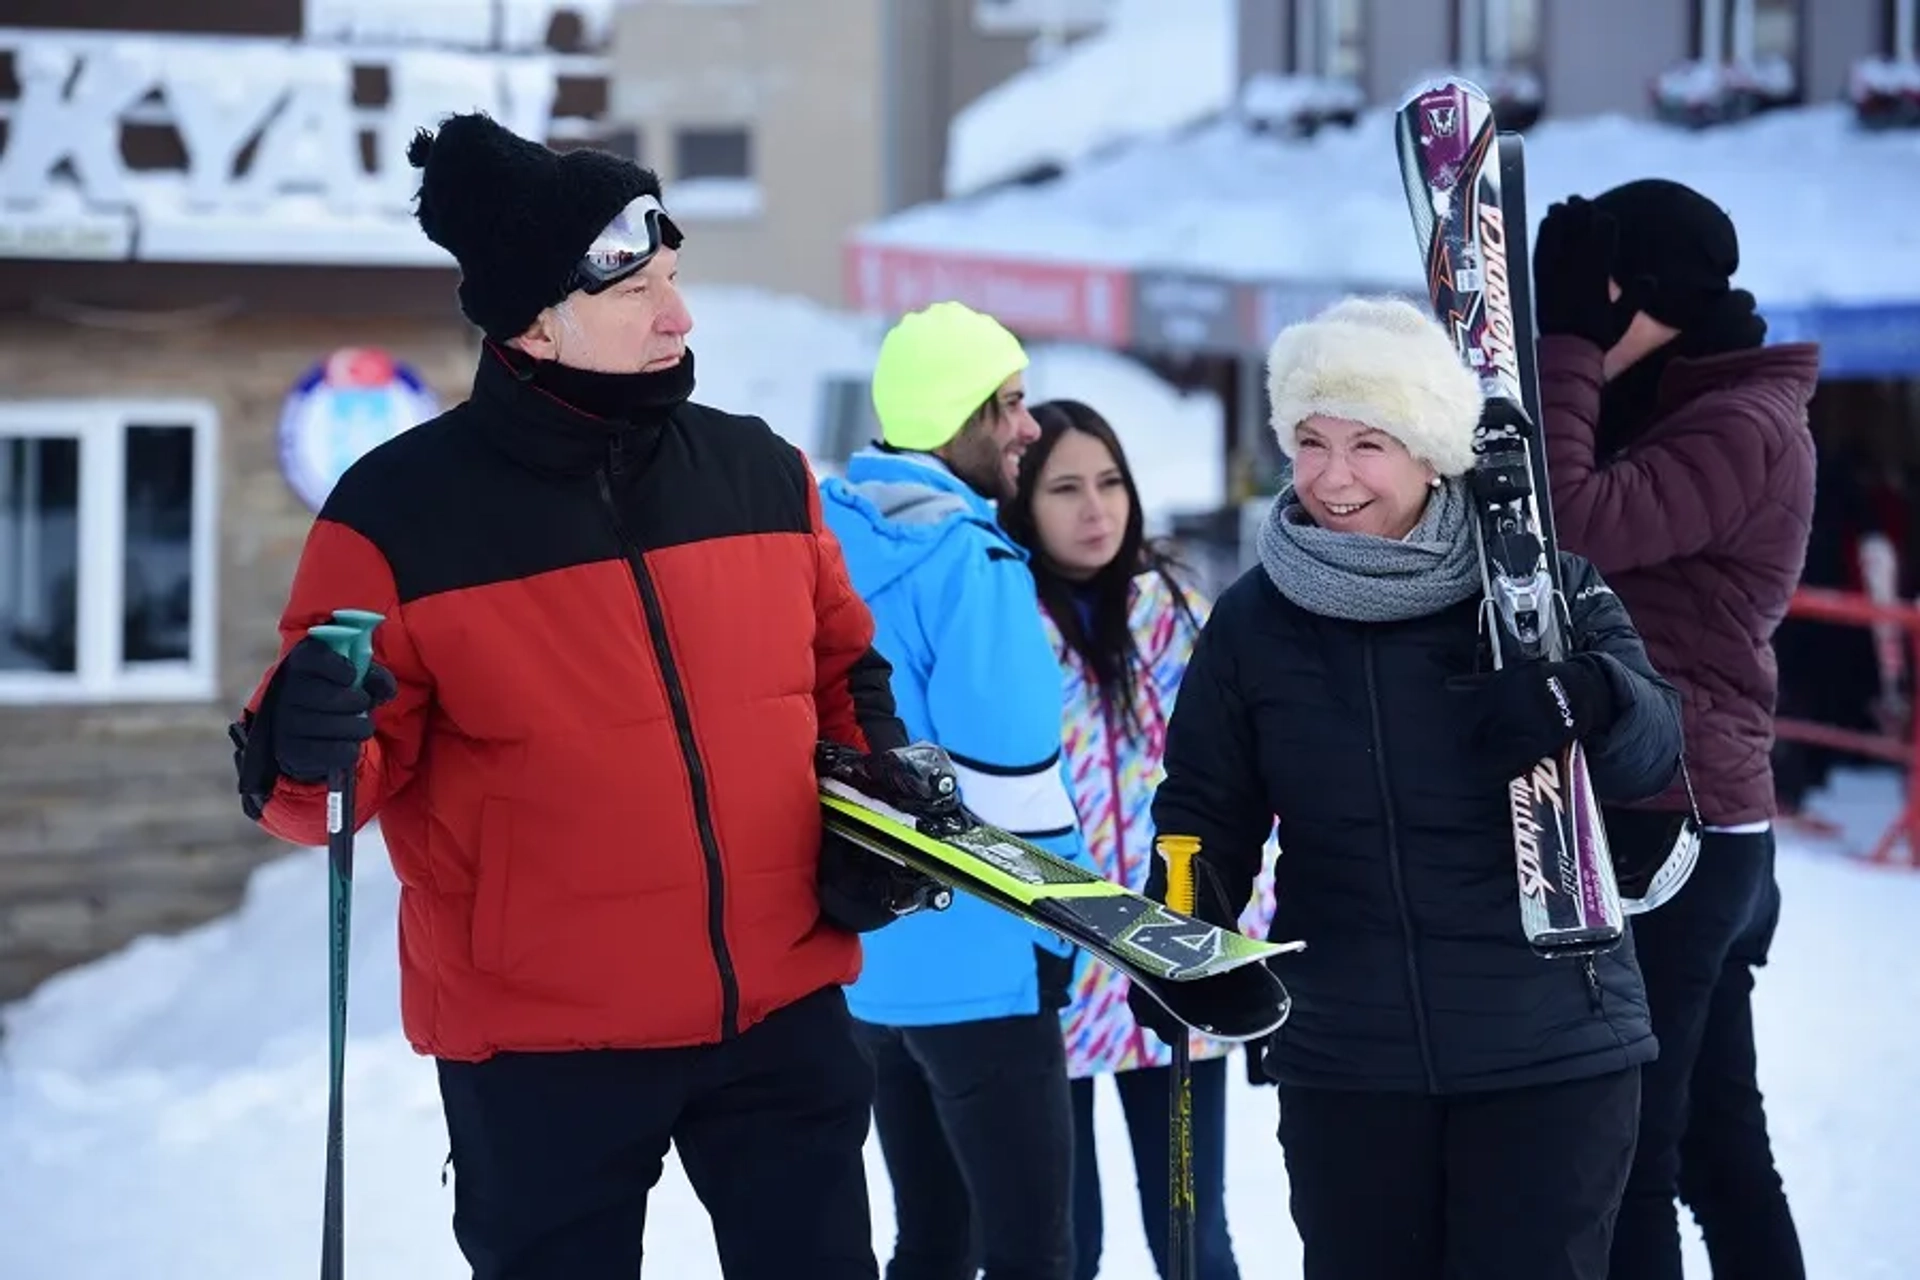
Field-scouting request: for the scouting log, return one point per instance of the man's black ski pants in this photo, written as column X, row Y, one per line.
column 554, row 1154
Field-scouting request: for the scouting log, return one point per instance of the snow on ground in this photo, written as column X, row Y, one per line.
column 767, row 354
column 1095, row 93
column 1228, row 203
column 162, row 1111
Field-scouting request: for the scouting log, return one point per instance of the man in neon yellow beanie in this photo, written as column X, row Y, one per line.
column 961, row 1008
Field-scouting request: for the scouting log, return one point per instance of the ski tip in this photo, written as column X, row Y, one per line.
column 1434, row 86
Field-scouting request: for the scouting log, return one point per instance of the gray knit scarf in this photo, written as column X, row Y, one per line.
column 1363, row 578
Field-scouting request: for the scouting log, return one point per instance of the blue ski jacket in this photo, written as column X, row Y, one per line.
column 955, row 612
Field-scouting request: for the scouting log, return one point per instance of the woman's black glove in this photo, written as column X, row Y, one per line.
column 1257, row 1063
column 1523, row 713
column 1573, row 260
column 320, row 718
column 1153, row 1015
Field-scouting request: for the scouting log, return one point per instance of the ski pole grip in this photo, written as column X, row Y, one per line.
column 1179, row 851
column 350, row 635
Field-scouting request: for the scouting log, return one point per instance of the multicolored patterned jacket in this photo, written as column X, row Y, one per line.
column 1112, row 777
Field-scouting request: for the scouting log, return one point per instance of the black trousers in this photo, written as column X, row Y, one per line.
column 1520, row 1184
column 1703, row 1128
column 977, row 1130
column 554, row 1154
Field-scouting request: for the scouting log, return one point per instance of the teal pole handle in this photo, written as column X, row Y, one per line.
column 350, row 635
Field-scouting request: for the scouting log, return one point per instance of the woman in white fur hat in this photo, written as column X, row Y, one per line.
column 1450, row 1103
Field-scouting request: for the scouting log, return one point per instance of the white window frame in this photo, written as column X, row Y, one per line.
column 1726, row 31
column 1039, row 17
column 101, row 674
column 1316, row 38
column 1484, row 35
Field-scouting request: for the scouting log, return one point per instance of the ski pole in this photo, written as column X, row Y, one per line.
column 1179, row 852
column 350, row 635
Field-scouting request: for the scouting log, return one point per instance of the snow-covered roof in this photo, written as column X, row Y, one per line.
column 471, row 24
column 1094, row 94
column 1824, row 209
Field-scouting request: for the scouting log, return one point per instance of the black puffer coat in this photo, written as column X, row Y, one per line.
column 1397, row 865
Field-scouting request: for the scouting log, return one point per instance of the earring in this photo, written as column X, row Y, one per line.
column 1433, row 482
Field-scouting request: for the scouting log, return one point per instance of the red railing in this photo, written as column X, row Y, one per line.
column 1894, row 621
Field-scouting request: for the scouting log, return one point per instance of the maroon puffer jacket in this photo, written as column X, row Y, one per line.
column 1700, row 526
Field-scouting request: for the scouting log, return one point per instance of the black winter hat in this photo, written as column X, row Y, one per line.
column 517, row 215
column 1677, row 252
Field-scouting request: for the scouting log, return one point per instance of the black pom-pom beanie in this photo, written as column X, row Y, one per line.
column 1678, row 249
column 516, row 215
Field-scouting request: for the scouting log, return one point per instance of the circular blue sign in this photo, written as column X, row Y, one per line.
column 341, row 408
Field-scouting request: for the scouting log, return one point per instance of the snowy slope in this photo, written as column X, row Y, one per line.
column 163, row 1111
column 1824, row 211
column 1154, row 66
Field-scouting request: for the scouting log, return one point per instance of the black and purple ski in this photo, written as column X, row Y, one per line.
column 1466, row 189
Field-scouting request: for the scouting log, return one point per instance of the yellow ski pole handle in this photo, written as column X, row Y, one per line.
column 1180, row 851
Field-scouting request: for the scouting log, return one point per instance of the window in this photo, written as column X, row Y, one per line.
column 107, row 551
column 713, row 173
column 1898, row 22
column 1498, row 34
column 1749, row 31
column 712, row 153
column 1329, row 39
column 1027, row 17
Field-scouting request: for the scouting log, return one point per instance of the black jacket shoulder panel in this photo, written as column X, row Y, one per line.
column 450, row 508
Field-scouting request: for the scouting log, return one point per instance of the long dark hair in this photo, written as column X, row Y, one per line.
column 1106, row 642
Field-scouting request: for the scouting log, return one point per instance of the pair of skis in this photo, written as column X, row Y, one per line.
column 1214, row 980
column 1466, row 190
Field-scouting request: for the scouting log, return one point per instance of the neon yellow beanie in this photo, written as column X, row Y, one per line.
column 935, row 368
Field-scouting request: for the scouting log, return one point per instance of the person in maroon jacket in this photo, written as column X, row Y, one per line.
column 1681, row 465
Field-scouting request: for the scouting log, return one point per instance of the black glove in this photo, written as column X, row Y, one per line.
column 1056, row 977
column 1257, row 1063
column 861, row 891
column 1573, row 259
column 1153, row 1015
column 319, row 717
column 1523, row 713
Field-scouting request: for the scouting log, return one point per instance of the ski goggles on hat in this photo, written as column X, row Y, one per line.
column 625, row 245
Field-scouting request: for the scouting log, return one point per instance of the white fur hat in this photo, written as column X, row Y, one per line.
column 1383, row 362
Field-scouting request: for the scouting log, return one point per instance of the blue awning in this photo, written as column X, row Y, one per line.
column 1881, row 341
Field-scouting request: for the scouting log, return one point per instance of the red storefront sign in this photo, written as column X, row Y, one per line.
column 1037, row 299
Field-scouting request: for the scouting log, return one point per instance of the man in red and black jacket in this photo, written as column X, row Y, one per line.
column 615, row 631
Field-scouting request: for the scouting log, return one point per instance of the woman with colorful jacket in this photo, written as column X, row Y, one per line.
column 1121, row 626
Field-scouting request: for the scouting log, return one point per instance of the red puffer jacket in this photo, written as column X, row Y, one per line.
column 616, row 648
